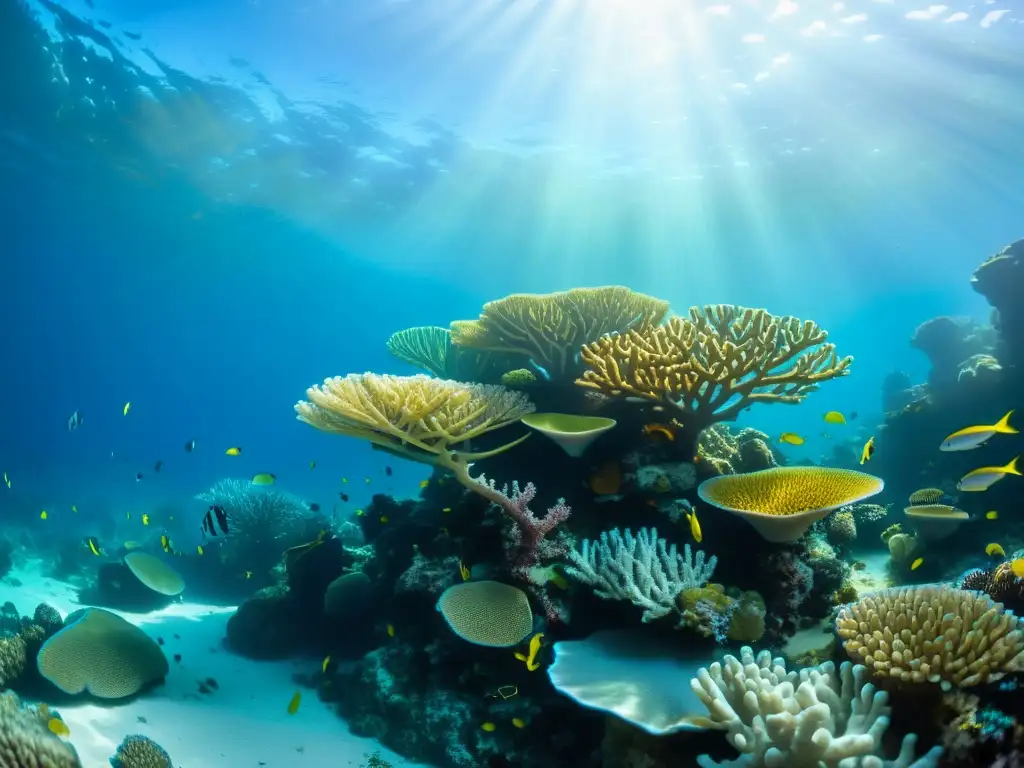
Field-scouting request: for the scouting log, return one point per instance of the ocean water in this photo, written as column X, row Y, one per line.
column 211, row 205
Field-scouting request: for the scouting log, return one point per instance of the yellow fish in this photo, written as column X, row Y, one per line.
column 446, row 510
column 1017, row 566
column 199, row 549
column 968, row 438
column 424, row 483
column 323, row 667
column 518, row 722
column 93, row 545
column 74, row 508
column 488, row 726
column 58, row 727
column 463, row 571
column 791, row 438
column 983, row 478
column 834, row 417
column 867, row 451
column 391, row 630
column 531, row 659
column 993, row 515
column 384, row 519
column 233, row 451
column 7, row 480
column 165, row 544
column 293, row 705
column 916, row 564
column 43, row 515
column 127, row 407
column 145, row 519
column 995, row 550
column 263, row 478
column 695, row 531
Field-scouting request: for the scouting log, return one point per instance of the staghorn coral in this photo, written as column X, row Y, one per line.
column 711, row 365
column 933, row 634
column 26, row 742
column 550, row 329
column 814, row 718
column 140, row 752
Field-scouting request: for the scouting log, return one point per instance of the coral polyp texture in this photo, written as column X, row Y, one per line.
column 425, row 347
column 487, row 613
column 26, row 742
column 416, row 416
column 549, row 329
column 935, row 634
column 715, row 362
column 781, row 503
column 808, row 719
column 140, row 752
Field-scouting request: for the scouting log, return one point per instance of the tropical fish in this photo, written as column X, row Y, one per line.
column 1017, row 567
column 916, row 564
column 145, row 519
column 248, row 574
column 531, row 658
column 983, row 478
column 995, row 550
column 344, row 479
column 867, row 451
column 992, row 515
column 190, row 446
column 314, row 507
column 384, row 519
column 343, row 496
column 518, row 722
column 464, row 572
column 791, row 438
column 327, row 662
column 74, row 508
column 391, row 630
column 312, row 465
column 263, row 478
column 446, row 510
column 664, row 430
column 58, row 727
column 7, row 480
column 93, row 545
column 127, row 407
column 424, row 483
column 968, row 438
column 127, row 515
column 233, row 451
column 835, row 417
column 165, row 545
column 74, row 421
column 215, row 522
column 388, row 471
column 138, row 477
column 359, row 513
column 199, row 549
column 293, row 705
column 368, row 480
column 43, row 515
column 158, row 466
column 695, row 531
column 488, row 726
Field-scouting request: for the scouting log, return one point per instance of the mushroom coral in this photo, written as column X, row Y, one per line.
column 714, row 363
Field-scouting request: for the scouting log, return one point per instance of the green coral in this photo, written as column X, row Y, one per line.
column 520, row 377
column 140, row 752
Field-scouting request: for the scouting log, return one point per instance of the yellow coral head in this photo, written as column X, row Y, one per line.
column 935, row 521
column 783, row 502
column 573, row 433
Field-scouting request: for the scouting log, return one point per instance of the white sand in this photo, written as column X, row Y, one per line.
column 244, row 724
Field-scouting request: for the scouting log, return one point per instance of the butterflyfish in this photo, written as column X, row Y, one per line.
column 58, row 727
column 215, row 521
column 263, row 478
column 969, row 438
column 791, row 438
column 995, row 550
column 868, row 450
column 834, row 417
column 233, row 451
column 43, row 515
column 145, row 519
column 1017, row 567
column 695, row 530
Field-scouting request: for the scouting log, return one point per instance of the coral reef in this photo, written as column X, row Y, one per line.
column 140, row 752
column 26, row 742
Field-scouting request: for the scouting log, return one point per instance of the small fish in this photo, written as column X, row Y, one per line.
column 464, row 571
column 74, row 508
column 215, row 522
column 665, row 431
column 791, row 438
column 74, row 421
column 531, row 658
column 834, row 417
column 983, row 478
column 343, row 496
column 424, row 483
column 868, row 450
column 93, row 545
column 190, row 446
column 327, row 663
column 853, row 415
column 199, row 550
column 138, row 477
column 344, row 479
column 177, row 658
column 248, row 574
column 1017, row 567
column 293, row 705
column 992, row 515
column 968, row 438
column 359, row 513
column 518, row 722
column 263, row 478
column 58, row 727
column 314, row 507
column 145, row 519
column 127, row 515
column 7, row 480
column 160, row 641
column 384, row 519
column 916, row 564
column 446, row 510
column 312, row 465
column 233, row 451
column 387, row 471
column 488, row 726
column 43, row 515
column 158, row 466
column 995, row 550
column 391, row 630
column 127, row 407
column 695, row 531
column 165, row 545
column 368, row 480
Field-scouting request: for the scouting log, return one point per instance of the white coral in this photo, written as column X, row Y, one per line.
column 808, row 719
column 644, row 570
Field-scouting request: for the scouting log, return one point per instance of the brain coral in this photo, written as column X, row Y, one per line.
column 140, row 752
column 26, row 742
column 487, row 613
column 101, row 653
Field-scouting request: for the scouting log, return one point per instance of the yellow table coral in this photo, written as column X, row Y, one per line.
column 550, row 329
column 713, row 363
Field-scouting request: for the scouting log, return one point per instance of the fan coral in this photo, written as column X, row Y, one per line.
column 425, row 347
column 934, row 634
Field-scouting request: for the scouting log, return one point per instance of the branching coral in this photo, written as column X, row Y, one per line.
column 711, row 365
column 550, row 329
column 643, row 569
column 933, row 634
